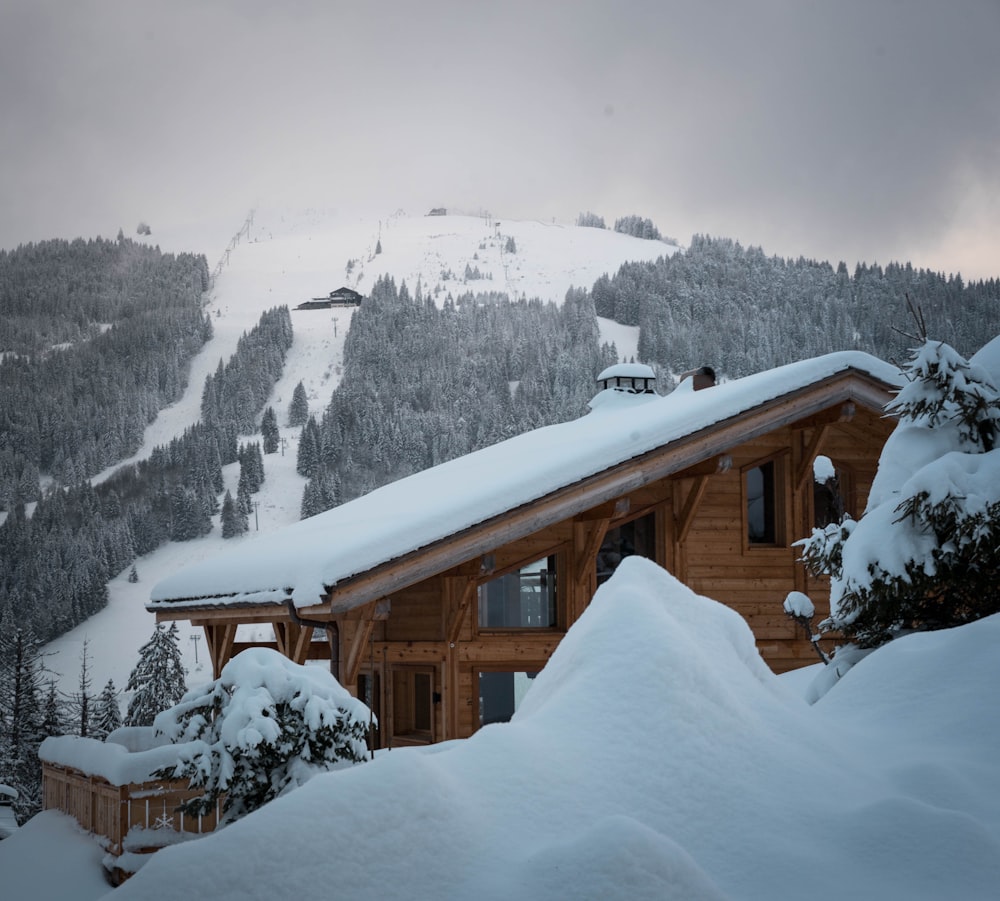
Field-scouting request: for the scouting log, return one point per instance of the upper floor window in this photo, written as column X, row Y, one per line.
column 524, row 599
column 761, row 496
column 635, row 538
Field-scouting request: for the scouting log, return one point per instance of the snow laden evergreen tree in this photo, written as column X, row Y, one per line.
column 21, row 715
column 251, row 467
column 310, row 454
column 298, row 409
column 270, row 436
column 321, row 493
column 926, row 553
column 82, row 701
column 234, row 521
column 107, row 714
column 157, row 681
column 53, row 711
column 265, row 726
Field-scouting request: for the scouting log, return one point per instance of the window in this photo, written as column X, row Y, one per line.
column 412, row 705
column 636, row 538
column 501, row 693
column 524, row 599
column 761, row 494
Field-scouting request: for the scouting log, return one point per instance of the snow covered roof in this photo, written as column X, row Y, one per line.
column 305, row 560
column 627, row 371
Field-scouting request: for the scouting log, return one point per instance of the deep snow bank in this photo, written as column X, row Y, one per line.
column 655, row 757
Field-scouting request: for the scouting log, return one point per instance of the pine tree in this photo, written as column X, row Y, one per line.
column 926, row 553
column 21, row 715
column 82, row 700
column 53, row 712
column 157, row 681
column 133, row 575
column 310, row 450
column 234, row 520
column 107, row 714
column 251, row 468
column 298, row 409
column 269, row 433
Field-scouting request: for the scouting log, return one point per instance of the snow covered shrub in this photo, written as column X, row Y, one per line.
column 926, row 553
column 265, row 726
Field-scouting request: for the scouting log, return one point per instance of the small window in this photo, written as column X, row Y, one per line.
column 501, row 693
column 761, row 494
column 525, row 599
column 636, row 538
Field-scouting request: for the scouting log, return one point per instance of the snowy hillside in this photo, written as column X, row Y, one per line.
column 286, row 258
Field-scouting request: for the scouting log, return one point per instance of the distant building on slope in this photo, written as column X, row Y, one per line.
column 341, row 297
column 437, row 598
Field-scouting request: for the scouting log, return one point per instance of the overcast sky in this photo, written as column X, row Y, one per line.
column 836, row 129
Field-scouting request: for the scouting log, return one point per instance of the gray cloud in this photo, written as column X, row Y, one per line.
column 840, row 130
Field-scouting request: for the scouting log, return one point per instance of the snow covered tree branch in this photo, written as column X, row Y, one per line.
column 926, row 554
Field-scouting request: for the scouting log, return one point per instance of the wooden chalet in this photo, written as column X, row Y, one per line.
column 341, row 297
column 438, row 598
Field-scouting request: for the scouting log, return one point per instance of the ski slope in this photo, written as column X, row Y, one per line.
column 279, row 257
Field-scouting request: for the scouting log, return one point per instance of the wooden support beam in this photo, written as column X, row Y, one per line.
column 809, row 455
column 610, row 510
column 687, row 512
column 461, row 591
column 710, row 467
column 357, row 645
column 283, row 637
column 590, row 537
column 219, row 639
column 844, row 412
column 299, row 648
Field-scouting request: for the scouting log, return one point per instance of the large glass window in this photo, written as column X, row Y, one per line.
column 525, row 599
column 761, row 504
column 636, row 538
column 501, row 693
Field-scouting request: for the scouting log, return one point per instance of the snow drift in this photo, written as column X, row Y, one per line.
column 656, row 756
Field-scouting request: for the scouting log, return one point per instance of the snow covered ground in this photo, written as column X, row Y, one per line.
column 655, row 757
column 284, row 257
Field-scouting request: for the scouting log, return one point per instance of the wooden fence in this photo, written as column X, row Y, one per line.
column 112, row 811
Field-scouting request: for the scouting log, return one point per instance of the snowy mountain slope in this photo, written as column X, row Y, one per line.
column 287, row 258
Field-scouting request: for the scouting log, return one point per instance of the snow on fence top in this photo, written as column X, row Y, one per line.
column 108, row 760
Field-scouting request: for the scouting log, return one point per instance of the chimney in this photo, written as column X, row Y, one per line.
column 628, row 378
column 700, row 378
